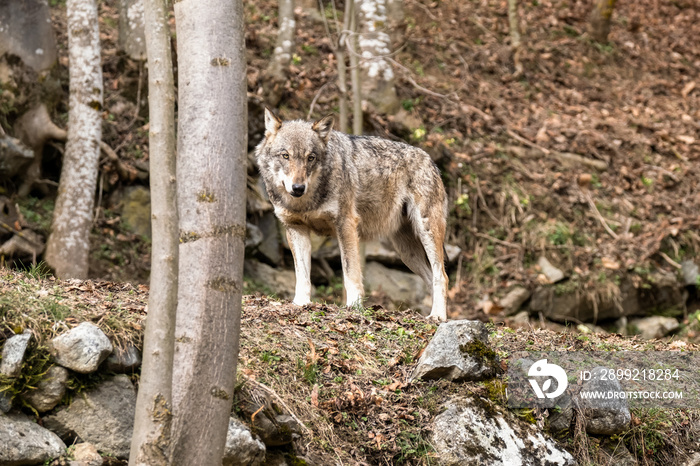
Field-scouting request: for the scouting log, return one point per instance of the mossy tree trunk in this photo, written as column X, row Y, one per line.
column 600, row 18
column 68, row 246
column 211, row 179
column 150, row 443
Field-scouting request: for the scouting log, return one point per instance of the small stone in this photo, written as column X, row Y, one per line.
column 123, row 360
column 82, row 348
column 520, row 320
column 453, row 252
column 690, row 272
column 87, row 455
column 49, row 391
column 13, row 354
column 5, row 403
column 552, row 273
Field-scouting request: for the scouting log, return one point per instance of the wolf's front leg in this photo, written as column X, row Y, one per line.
column 300, row 243
column 349, row 242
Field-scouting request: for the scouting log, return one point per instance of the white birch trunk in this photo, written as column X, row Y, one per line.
column 284, row 48
column 68, row 246
column 150, row 443
column 211, row 178
column 378, row 80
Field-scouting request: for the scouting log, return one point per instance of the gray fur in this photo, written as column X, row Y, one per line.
column 357, row 188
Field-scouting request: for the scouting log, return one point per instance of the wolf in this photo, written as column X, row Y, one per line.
column 357, row 188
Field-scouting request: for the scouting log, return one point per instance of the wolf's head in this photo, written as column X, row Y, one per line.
column 292, row 153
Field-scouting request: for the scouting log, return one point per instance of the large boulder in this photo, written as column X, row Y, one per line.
column 103, row 416
column 458, row 351
column 82, row 349
column 467, row 432
column 23, row 441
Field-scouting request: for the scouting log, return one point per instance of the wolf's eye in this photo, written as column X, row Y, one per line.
column 285, row 155
column 311, row 158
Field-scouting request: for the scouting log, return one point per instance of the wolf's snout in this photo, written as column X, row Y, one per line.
column 298, row 190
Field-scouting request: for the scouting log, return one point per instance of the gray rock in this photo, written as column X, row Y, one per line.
column 520, row 320
column 82, row 349
column 400, row 287
column 561, row 416
column 242, row 448
column 458, row 351
column 13, row 354
column 123, row 360
column 619, row 454
column 26, row 31
column 103, row 416
column 515, row 298
column 281, row 282
column 655, row 326
column 552, row 273
column 253, row 237
column 607, row 416
column 694, row 460
column 270, row 246
column 276, row 431
column 689, row 270
column 381, row 251
column 49, row 392
column 465, row 433
column 23, row 441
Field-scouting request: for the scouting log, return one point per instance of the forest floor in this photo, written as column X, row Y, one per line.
column 632, row 105
column 344, row 373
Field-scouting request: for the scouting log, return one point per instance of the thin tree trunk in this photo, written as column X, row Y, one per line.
column 211, row 177
column 378, row 80
column 68, row 247
column 282, row 54
column 600, row 19
column 342, row 68
column 150, row 444
column 356, row 80
column 515, row 43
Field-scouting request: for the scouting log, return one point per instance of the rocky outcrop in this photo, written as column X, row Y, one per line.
column 608, row 416
column 103, row 416
column 469, row 433
column 242, row 447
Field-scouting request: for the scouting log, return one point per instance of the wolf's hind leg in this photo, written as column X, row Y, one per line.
column 431, row 231
column 410, row 249
column 300, row 243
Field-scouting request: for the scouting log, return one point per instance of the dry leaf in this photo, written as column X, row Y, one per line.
column 611, row 264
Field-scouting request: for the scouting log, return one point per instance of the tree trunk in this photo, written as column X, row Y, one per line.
column 356, row 80
column 375, row 45
column 282, row 55
column 515, row 43
column 132, row 39
column 68, row 246
column 342, row 68
column 600, row 19
column 151, row 442
column 211, row 178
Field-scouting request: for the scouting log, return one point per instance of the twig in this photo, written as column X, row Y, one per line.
column 518, row 137
column 138, row 93
column 496, row 240
column 278, row 399
column 670, row 261
column 483, row 201
column 598, row 215
column 313, row 102
column 564, row 157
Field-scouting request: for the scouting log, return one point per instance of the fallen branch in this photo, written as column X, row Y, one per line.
column 598, row 215
column 563, row 157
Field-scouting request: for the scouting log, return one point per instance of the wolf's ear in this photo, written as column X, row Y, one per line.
column 272, row 123
column 323, row 127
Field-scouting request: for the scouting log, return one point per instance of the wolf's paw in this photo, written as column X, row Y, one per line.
column 301, row 301
column 437, row 318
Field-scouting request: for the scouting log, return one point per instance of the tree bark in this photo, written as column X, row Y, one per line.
column 68, row 246
column 342, row 68
column 282, row 54
column 132, row 25
column 600, row 19
column 151, row 442
column 515, row 43
column 355, row 80
column 378, row 80
column 211, row 178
